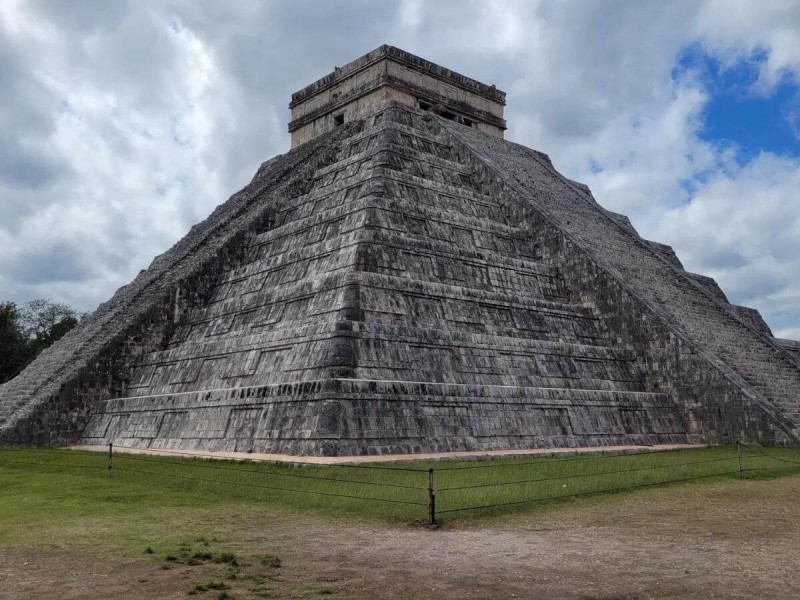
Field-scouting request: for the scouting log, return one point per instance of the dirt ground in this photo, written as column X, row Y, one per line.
column 726, row 539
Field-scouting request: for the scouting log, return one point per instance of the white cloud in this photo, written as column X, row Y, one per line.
column 130, row 122
column 791, row 333
column 743, row 228
column 409, row 13
column 736, row 28
column 602, row 97
column 143, row 165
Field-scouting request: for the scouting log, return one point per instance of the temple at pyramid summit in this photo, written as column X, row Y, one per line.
column 404, row 280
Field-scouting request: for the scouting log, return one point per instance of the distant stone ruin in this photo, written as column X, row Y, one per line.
column 403, row 281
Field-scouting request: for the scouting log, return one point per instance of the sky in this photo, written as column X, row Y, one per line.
column 124, row 123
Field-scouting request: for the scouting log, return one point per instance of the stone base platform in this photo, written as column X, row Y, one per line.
column 391, row 458
column 349, row 417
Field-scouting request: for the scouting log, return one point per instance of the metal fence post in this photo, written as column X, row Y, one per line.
column 431, row 500
column 110, row 453
column 739, row 454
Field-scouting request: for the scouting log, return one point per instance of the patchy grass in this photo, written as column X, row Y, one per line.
column 273, row 562
column 315, row 589
column 211, row 585
column 188, row 516
column 584, row 547
column 226, row 558
column 43, row 489
column 221, row 571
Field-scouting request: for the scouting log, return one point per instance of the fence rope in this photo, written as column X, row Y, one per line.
column 773, row 457
column 579, row 475
column 593, row 493
column 553, row 459
column 216, row 481
column 51, row 464
column 123, row 456
column 274, row 488
column 756, row 453
column 188, row 454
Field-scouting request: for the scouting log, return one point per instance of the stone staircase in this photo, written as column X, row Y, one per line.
column 400, row 285
column 41, row 404
column 706, row 321
column 411, row 219
column 445, row 305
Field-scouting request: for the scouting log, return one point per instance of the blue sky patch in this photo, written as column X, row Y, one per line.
column 736, row 113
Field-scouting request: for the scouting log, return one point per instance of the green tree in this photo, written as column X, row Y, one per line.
column 15, row 351
column 26, row 331
column 44, row 321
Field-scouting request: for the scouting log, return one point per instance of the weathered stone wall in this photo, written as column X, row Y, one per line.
column 406, row 284
column 791, row 346
column 352, row 103
column 362, row 87
column 394, row 270
column 710, row 285
column 723, row 371
column 48, row 402
column 754, row 319
column 356, row 417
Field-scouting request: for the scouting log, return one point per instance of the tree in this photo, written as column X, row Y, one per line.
column 26, row 331
column 15, row 352
column 43, row 321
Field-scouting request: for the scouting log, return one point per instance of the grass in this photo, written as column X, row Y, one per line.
column 225, row 523
column 211, row 585
column 473, row 490
column 273, row 562
column 219, row 571
column 313, row 589
column 39, row 485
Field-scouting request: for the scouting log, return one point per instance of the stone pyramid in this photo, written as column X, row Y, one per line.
column 404, row 280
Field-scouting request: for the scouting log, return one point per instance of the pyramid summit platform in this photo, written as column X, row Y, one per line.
column 404, row 280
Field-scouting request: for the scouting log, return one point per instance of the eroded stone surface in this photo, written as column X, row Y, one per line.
column 364, row 86
column 408, row 284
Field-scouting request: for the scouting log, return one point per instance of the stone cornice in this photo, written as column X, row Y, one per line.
column 408, row 60
column 384, row 80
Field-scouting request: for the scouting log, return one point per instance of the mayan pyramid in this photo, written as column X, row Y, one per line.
column 404, row 280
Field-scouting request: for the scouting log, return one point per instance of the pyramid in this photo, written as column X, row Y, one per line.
column 404, row 280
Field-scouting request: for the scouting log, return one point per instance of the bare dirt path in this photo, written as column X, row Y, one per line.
column 725, row 539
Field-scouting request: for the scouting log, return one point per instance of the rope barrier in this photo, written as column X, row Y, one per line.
column 273, row 488
column 222, row 482
column 578, row 475
column 585, row 494
column 36, row 450
column 44, row 464
column 551, row 459
column 264, row 473
column 762, row 453
column 189, row 454
column 543, row 462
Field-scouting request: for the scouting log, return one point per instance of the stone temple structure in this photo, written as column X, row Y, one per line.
column 404, row 280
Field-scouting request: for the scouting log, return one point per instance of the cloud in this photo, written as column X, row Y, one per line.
column 743, row 228
column 124, row 123
column 736, row 28
column 122, row 150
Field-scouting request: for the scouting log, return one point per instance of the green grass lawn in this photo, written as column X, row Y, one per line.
column 171, row 526
column 41, row 486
